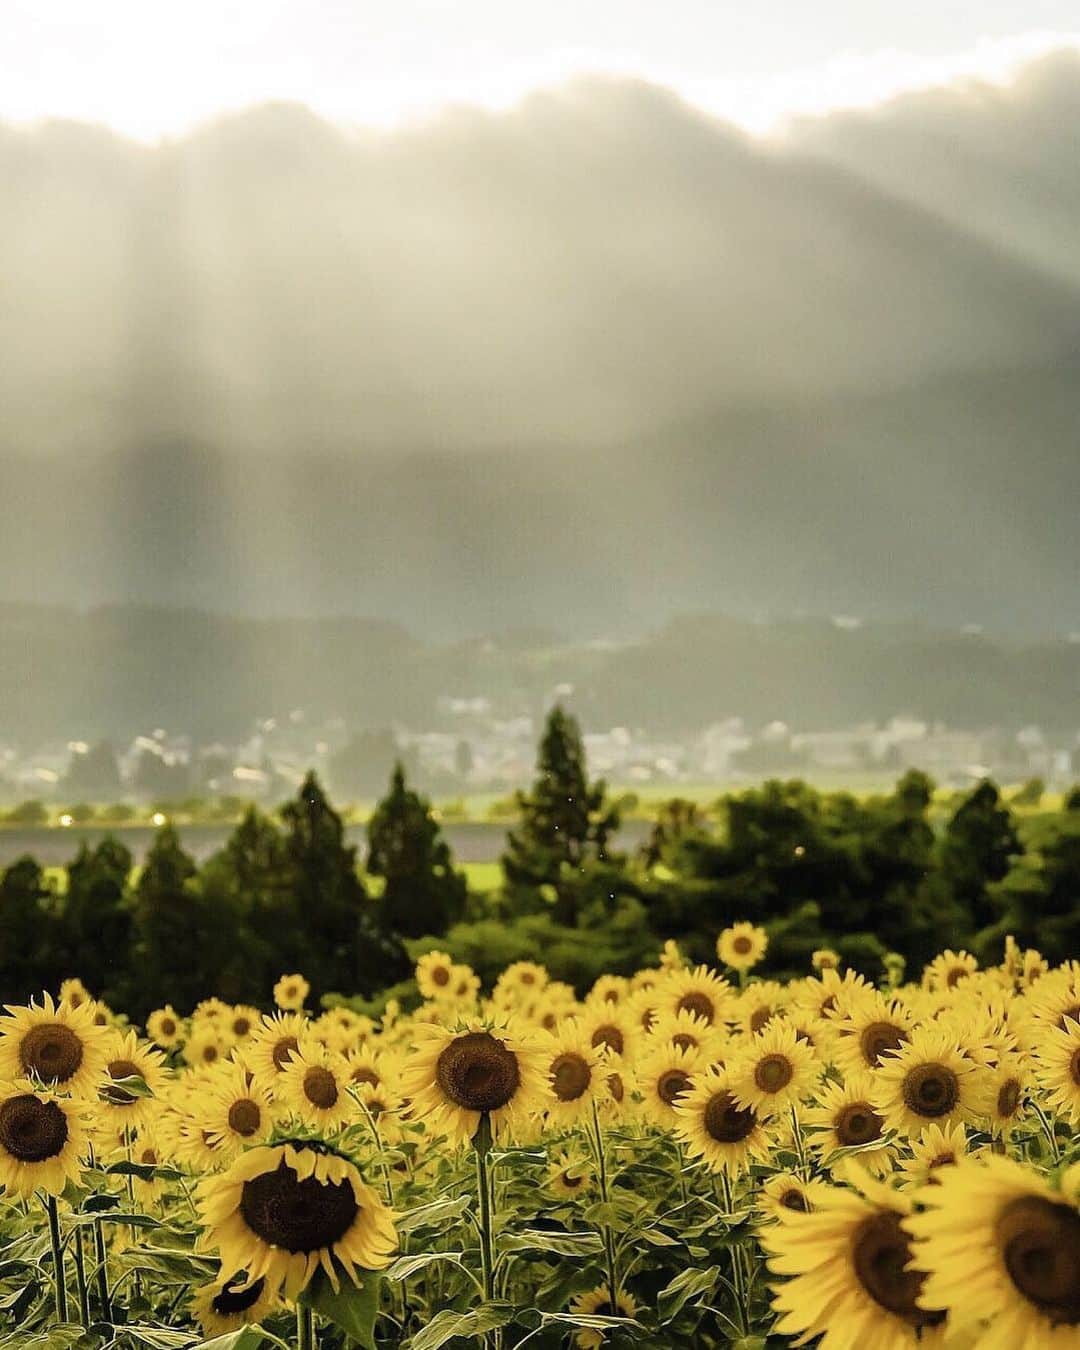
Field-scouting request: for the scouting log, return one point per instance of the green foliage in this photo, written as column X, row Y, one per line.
column 422, row 893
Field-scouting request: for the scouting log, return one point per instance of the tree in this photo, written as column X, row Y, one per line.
column 361, row 767
column 27, row 939
column 177, row 938
column 423, row 893
column 677, row 820
column 566, row 821
column 95, row 923
column 337, row 934
column 977, row 850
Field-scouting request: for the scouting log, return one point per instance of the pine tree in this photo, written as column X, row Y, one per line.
column 26, row 933
column 176, row 939
column 566, row 822
column 977, row 850
column 423, row 894
column 340, row 943
column 95, row 924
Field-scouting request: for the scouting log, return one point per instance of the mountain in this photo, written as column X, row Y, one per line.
column 581, row 365
column 121, row 671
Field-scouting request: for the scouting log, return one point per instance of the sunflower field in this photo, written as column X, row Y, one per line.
column 690, row 1157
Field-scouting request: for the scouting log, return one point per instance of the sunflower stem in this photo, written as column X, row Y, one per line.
column 305, row 1327
column 482, row 1149
column 800, row 1151
column 737, row 1276
column 609, row 1242
column 102, row 1271
column 80, row 1277
column 59, row 1282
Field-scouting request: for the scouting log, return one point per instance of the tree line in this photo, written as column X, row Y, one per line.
column 866, row 876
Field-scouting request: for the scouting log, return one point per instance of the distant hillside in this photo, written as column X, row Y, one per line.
column 120, row 671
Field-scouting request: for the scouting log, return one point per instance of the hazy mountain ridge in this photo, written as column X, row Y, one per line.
column 119, row 671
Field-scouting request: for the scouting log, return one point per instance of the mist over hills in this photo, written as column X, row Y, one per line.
column 121, row 671
column 586, row 365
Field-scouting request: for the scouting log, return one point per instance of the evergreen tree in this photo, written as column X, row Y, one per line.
column 27, row 940
column 95, row 926
column 423, row 894
column 337, row 933
column 977, row 850
column 566, row 822
column 176, row 939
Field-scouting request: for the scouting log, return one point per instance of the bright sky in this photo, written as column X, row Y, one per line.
column 150, row 69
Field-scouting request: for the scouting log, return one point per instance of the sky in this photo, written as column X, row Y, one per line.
column 151, row 70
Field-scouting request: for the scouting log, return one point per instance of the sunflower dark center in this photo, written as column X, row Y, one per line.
column 365, row 1075
column 241, row 1026
column 743, row 945
column 857, row 1123
column 118, row 1069
column 1008, row 1098
column 880, row 1251
column 700, row 1005
column 210, row 1053
column 955, row 975
column 51, row 1052
column 284, row 1051
column 477, row 1072
column 148, row 1157
column 760, row 1017
column 931, row 1090
column 1071, row 1013
column 298, row 1216
column 615, row 1087
column 878, row 1039
column 727, row 1122
column 245, row 1117
column 168, row 1026
column 671, row 1085
column 609, row 1035
column 773, row 1073
column 32, row 1130
column 320, row 1087
column 232, row 1300
column 794, row 1199
column 440, row 976
column 1074, row 1068
column 1040, row 1246
column 684, row 1042
column 570, row 1077
column 572, row 1181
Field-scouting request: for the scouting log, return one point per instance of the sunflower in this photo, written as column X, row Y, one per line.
column 609, row 1027
column 848, row 1258
column 609, row 989
column 844, row 1117
column 228, row 1305
column 569, row 1175
column 282, row 1212
column 824, row 958
column 454, row 1077
column 757, row 1005
column 206, row 1046
column 148, row 1150
column 784, row 1190
column 165, row 1027
column 314, row 1086
column 574, row 1069
column 713, row 1126
column 74, row 993
column 235, row 1110
column 435, row 975
column 698, row 991
column 1055, row 999
column 127, row 1058
column 1001, row 1247
column 520, row 980
column 1006, row 1088
column 54, row 1044
column 870, row 1029
column 927, row 1081
column 948, row 969
column 933, row 1149
column 290, row 992
column 272, row 1044
column 240, row 1021
column 742, row 946
column 775, row 1070
column 367, row 1065
column 464, row 984
column 615, row 1102
column 688, row 1032
column 43, row 1139
column 663, row 1076
column 598, row 1303
column 1058, row 1069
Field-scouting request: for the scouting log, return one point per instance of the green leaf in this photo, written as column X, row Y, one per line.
column 247, row 1338
column 436, row 1214
column 405, row 1266
column 446, row 1325
column 552, row 1243
column 158, row 1338
column 352, row 1307
column 686, row 1285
